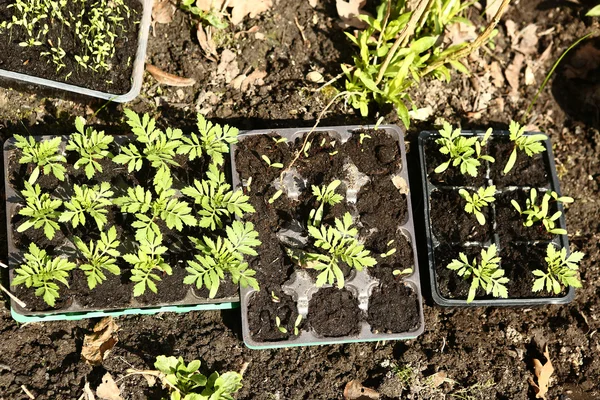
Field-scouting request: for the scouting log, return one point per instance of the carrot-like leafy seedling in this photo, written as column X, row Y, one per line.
column 41, row 272
column 214, row 141
column 91, row 146
column 529, row 144
column 93, row 201
column 487, row 274
column 463, row 152
column 41, row 211
column 99, row 257
column 148, row 208
column 561, row 270
column 44, row 155
column 539, row 212
column 147, row 263
column 224, row 255
column 216, row 199
column 478, row 200
column 325, row 195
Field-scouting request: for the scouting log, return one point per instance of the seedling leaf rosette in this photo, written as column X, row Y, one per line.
column 137, row 75
column 481, row 194
column 76, row 207
column 301, row 287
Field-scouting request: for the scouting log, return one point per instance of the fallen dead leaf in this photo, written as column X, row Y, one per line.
column 354, row 390
column 492, row 8
column 168, row 79
column 162, row 11
column 496, row 74
column 254, row 29
column 421, row 114
column 529, row 75
column 98, row 344
column 527, row 40
column 543, row 58
column 438, row 379
column 400, row 184
column 242, row 8
column 108, row 389
column 349, row 12
column 209, row 48
column 459, row 32
column 543, row 372
column 207, row 5
column 511, row 29
column 513, row 71
column 228, row 66
column 254, row 79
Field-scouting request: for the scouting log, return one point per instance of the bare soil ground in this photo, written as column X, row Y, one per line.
column 486, row 353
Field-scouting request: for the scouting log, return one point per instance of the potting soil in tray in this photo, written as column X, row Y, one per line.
column 116, row 293
column 30, row 60
column 451, row 230
column 374, row 304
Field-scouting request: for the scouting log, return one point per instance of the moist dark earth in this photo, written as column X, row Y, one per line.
column 487, row 353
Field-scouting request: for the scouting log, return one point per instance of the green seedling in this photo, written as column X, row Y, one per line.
column 478, row 200
column 44, row 155
column 324, row 195
column 463, row 152
column 213, row 17
column 216, row 199
column 280, row 140
column 561, row 271
column 99, row 257
column 364, row 136
column 41, row 211
column 224, row 255
column 212, row 140
column 297, row 325
column 486, row 274
column 594, row 12
column 41, row 272
column 275, row 196
column 91, row 146
column 307, row 148
column 405, row 271
column 185, row 382
column 147, row 262
column 333, row 153
column 248, row 183
column 529, row 144
column 535, row 213
column 391, row 250
column 279, row 327
column 274, row 297
column 271, row 164
column 92, row 201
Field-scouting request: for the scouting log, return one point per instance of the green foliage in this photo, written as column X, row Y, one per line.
column 385, row 68
column 539, row 212
column 224, row 255
column 186, row 383
column 91, row 146
column 594, row 12
column 487, row 274
column 41, row 211
column 214, row 141
column 530, row 144
column 477, row 201
column 212, row 17
column 159, row 146
column 271, row 164
column 216, row 199
column 41, row 272
column 99, row 256
column 325, row 195
column 463, row 151
column 91, row 201
column 148, row 208
column 341, row 245
column 43, row 154
column 561, row 270
column 147, row 262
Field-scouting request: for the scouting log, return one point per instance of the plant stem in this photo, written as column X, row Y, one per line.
column 468, row 49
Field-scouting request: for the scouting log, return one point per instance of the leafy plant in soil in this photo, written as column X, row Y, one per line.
column 463, row 152
column 41, row 210
column 529, row 144
column 44, row 155
column 561, row 270
column 477, row 201
column 99, row 257
column 91, row 146
column 93, row 201
column 535, row 213
column 486, row 274
column 147, row 263
column 40, row 271
column 214, row 141
column 185, row 382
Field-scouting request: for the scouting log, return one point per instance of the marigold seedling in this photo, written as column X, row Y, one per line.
column 274, row 297
column 41, row 211
column 147, row 262
column 405, row 271
column 271, row 164
column 297, row 324
column 280, row 140
column 478, row 200
column 535, row 213
column 324, row 195
column 529, row 144
column 275, row 196
column 487, row 274
column 281, row 329
column 91, row 146
column 212, row 140
column 92, row 201
column 462, row 151
column 41, row 271
column 561, row 271
column 99, row 257
column 44, row 155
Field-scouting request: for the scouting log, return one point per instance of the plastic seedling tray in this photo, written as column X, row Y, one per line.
column 137, row 76
column 301, row 286
column 433, row 242
column 74, row 311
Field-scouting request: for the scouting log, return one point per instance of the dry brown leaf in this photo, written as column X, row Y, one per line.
column 254, row 79
column 241, row 8
column 228, row 66
column 438, row 379
column 492, row 8
column 108, row 389
column 100, row 342
column 209, row 48
column 513, row 71
column 543, row 372
column 168, row 79
column 354, row 390
column 162, row 11
column 349, row 12
column 496, row 74
column 207, row 5
column 529, row 75
column 459, row 32
column 511, row 29
column 528, row 40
